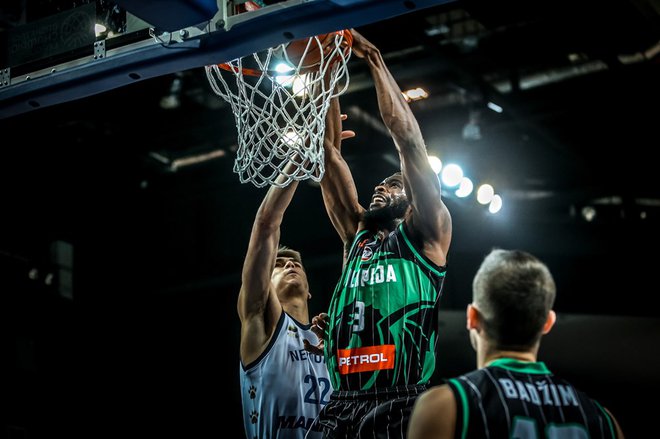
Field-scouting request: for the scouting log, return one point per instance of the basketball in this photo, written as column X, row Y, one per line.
column 306, row 52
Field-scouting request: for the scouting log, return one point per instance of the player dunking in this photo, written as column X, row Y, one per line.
column 381, row 323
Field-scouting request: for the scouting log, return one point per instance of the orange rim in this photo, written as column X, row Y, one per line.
column 248, row 72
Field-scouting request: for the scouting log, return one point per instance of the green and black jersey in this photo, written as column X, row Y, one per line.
column 510, row 398
column 383, row 314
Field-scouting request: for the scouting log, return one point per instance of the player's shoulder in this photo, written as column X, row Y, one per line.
column 439, row 395
column 470, row 380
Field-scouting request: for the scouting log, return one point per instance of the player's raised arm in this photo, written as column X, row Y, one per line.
column 430, row 222
column 337, row 186
column 258, row 306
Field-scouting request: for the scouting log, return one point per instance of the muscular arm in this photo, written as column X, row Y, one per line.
column 433, row 415
column 337, row 186
column 430, row 222
column 258, row 306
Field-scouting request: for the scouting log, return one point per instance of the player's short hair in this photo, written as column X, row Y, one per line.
column 286, row 252
column 514, row 292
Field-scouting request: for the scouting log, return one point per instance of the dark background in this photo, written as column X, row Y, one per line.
column 143, row 341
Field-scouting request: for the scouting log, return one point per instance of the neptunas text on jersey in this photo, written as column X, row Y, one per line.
column 303, row 355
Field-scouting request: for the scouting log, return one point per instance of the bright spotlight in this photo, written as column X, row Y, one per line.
column 452, row 175
column 415, row 94
column 485, row 193
column 300, row 85
column 291, row 138
column 436, row 163
column 99, row 29
column 465, row 188
column 496, row 108
column 495, row 204
column 284, row 79
column 588, row 213
column 283, row 67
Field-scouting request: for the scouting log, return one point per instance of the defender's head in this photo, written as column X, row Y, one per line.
column 289, row 277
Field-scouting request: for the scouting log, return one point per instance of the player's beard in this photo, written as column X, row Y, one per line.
column 387, row 217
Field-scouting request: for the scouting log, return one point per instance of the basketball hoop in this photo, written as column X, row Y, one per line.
column 280, row 98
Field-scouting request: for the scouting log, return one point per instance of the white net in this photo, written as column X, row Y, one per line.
column 280, row 98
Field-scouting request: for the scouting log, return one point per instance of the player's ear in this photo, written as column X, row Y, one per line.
column 549, row 322
column 472, row 317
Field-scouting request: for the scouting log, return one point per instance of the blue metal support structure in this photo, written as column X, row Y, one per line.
column 274, row 25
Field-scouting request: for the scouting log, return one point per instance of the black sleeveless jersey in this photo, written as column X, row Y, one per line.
column 514, row 399
column 383, row 315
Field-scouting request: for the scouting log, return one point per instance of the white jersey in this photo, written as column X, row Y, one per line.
column 285, row 388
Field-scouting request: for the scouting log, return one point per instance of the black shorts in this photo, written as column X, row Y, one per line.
column 382, row 413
